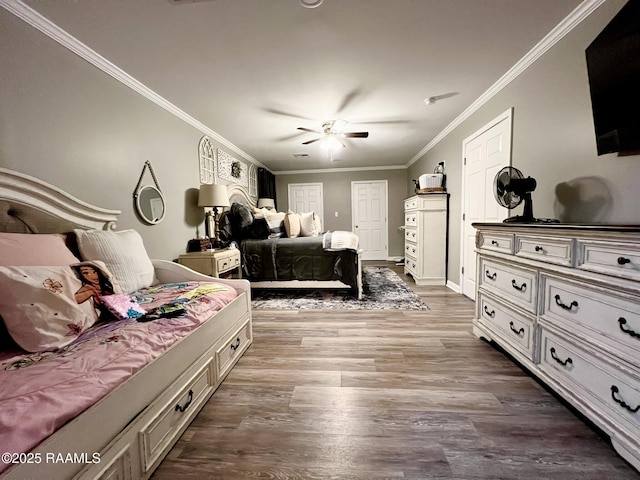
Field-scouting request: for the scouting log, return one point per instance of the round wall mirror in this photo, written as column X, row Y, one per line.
column 150, row 204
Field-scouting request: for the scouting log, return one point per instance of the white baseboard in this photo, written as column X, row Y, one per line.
column 456, row 288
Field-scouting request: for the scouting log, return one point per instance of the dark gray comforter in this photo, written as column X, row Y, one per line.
column 301, row 258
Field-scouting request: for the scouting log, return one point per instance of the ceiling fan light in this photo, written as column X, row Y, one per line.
column 332, row 143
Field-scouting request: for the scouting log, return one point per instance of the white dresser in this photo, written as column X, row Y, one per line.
column 425, row 238
column 564, row 301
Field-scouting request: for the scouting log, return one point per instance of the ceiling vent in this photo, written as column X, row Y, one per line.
column 300, row 155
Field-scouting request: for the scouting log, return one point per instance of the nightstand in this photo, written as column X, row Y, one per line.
column 213, row 262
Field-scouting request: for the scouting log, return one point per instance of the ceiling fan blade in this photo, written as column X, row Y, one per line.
column 307, row 130
column 310, row 141
column 356, row 134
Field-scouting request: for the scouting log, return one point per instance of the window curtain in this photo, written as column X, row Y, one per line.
column 266, row 184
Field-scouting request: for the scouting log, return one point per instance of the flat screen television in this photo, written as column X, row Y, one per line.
column 613, row 65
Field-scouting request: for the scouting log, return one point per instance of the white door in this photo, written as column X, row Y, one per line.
column 306, row 197
column 369, row 217
column 485, row 153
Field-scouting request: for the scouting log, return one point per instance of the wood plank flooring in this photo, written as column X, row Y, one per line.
column 385, row 394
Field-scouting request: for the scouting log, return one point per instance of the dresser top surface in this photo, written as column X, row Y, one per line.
column 628, row 228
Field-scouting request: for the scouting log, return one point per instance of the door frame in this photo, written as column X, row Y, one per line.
column 506, row 115
column 386, row 210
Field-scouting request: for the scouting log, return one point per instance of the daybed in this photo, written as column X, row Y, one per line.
column 274, row 258
column 139, row 409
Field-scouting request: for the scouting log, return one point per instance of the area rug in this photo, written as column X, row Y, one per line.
column 382, row 289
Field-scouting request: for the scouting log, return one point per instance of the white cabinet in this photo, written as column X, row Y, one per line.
column 425, row 238
column 564, row 301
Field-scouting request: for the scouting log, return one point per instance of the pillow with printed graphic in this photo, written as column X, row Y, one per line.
column 46, row 308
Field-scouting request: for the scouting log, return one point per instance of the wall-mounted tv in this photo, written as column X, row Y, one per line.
column 613, row 64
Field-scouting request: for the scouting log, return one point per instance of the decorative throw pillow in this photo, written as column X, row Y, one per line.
column 309, row 224
column 292, row 224
column 29, row 249
column 46, row 308
column 275, row 220
column 243, row 217
column 122, row 252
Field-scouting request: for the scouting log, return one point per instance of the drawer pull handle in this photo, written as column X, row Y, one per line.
column 493, row 242
column 615, row 390
column 490, row 276
column 513, row 329
column 236, row 344
column 566, row 307
column 539, row 248
column 555, row 357
column 623, row 321
column 521, row 288
column 623, row 261
column 490, row 313
column 186, row 405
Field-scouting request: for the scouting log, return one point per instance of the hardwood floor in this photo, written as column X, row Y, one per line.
column 385, row 394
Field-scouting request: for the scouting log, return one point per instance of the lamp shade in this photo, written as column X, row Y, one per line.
column 266, row 203
column 213, row 195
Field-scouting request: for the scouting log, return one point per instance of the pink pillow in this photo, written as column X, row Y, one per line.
column 39, row 249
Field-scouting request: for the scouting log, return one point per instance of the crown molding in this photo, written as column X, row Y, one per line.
column 339, row 170
column 572, row 20
column 36, row 20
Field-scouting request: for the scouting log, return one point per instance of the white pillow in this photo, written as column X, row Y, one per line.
column 46, row 308
column 122, row 252
column 292, row 224
column 309, row 224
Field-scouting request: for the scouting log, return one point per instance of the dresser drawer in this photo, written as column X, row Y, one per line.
column 175, row 415
column 616, row 391
column 516, row 329
column 496, row 242
column 617, row 259
column 411, row 218
column 558, row 251
column 411, row 203
column 411, row 265
column 410, row 234
column 232, row 348
column 609, row 319
column 513, row 283
column 411, row 249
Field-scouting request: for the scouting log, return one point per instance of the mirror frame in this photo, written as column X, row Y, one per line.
column 141, row 214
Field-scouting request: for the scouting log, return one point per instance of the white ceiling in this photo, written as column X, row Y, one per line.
column 254, row 70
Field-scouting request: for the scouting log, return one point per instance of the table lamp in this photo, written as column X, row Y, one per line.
column 267, row 203
column 215, row 196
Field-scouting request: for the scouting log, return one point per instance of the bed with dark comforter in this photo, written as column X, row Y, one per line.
column 300, row 258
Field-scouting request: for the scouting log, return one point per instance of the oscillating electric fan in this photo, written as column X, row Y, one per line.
column 510, row 188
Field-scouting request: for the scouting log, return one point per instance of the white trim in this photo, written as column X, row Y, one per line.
column 581, row 12
column 36, row 20
column 456, row 288
column 338, row 170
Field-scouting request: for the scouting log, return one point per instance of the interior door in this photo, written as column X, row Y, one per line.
column 485, row 153
column 369, row 216
column 306, row 197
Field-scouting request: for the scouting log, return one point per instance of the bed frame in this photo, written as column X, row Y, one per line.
column 238, row 193
column 130, row 430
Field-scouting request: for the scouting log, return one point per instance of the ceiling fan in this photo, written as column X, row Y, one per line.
column 332, row 131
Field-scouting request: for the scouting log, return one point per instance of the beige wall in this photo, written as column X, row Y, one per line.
column 337, row 198
column 553, row 141
column 68, row 123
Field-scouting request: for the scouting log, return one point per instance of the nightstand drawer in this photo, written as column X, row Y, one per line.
column 229, row 262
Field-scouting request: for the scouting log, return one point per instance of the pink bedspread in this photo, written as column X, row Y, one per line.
column 41, row 392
